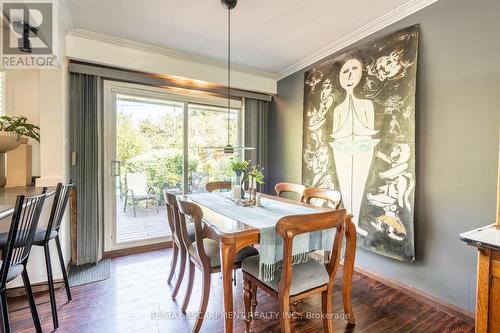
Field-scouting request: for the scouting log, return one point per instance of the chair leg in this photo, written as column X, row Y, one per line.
column 31, row 300
column 182, row 268
column 5, row 313
column 326, row 307
column 52, row 294
column 204, row 300
column 247, row 297
column 125, row 204
column 63, row 268
column 133, row 206
column 285, row 316
column 173, row 263
column 189, row 288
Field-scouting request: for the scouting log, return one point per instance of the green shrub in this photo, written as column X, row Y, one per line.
column 162, row 170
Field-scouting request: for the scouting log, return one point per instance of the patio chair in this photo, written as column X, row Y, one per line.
column 137, row 190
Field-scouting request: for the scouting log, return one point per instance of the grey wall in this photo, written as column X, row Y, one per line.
column 458, row 117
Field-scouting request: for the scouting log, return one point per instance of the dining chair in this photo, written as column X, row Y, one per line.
column 15, row 254
column 331, row 196
column 178, row 247
column 43, row 236
column 203, row 254
column 281, row 188
column 293, row 283
column 217, row 186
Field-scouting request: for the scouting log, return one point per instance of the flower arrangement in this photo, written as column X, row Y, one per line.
column 257, row 172
column 239, row 166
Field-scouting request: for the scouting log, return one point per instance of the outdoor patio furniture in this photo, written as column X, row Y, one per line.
column 137, row 190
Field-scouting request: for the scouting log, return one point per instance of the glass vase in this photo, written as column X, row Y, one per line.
column 236, row 188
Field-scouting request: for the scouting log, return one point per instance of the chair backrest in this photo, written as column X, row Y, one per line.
column 290, row 226
column 193, row 212
column 217, row 186
column 137, row 182
column 59, row 205
column 333, row 197
column 281, row 188
column 22, row 230
column 173, row 216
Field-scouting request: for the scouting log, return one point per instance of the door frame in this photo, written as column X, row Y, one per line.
column 111, row 89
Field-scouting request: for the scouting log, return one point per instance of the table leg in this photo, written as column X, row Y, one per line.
column 350, row 254
column 228, row 254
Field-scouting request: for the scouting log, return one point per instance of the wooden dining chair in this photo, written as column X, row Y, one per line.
column 217, row 186
column 203, row 254
column 331, row 196
column 282, row 188
column 16, row 253
column 178, row 247
column 294, row 283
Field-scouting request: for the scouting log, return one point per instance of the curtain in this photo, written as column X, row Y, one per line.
column 257, row 135
column 86, row 169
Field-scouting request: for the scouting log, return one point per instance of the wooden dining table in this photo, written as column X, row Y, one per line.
column 233, row 235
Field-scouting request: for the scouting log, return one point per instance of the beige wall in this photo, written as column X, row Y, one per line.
column 42, row 96
column 22, row 97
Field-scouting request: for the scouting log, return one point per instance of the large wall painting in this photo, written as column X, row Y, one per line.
column 359, row 137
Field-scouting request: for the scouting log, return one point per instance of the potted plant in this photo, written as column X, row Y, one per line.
column 16, row 130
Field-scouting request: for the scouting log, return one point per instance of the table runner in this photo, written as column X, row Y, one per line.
column 265, row 218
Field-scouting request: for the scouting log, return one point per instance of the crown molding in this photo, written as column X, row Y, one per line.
column 165, row 51
column 391, row 17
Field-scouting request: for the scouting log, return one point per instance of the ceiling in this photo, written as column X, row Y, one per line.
column 267, row 35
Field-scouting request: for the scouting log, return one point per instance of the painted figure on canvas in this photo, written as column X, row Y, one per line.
column 359, row 138
column 353, row 142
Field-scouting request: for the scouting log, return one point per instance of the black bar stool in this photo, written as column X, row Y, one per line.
column 43, row 237
column 16, row 252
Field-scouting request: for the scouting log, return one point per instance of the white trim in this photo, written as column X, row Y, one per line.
column 385, row 20
column 171, row 95
column 165, row 51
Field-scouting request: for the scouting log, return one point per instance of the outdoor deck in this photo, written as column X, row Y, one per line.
column 148, row 224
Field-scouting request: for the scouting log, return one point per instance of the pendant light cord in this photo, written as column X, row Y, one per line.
column 228, row 75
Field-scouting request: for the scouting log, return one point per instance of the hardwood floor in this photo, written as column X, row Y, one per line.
column 137, row 299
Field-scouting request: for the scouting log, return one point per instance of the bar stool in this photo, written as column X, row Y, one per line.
column 43, row 237
column 16, row 252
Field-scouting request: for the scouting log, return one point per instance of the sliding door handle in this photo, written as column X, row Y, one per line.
column 116, row 168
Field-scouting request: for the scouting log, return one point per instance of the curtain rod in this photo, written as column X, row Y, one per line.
column 160, row 80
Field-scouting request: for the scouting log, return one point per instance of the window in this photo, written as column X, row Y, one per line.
column 208, row 128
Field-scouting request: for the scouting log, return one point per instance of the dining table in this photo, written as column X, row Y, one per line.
column 232, row 235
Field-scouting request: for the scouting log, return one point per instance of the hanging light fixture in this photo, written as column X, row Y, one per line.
column 229, row 149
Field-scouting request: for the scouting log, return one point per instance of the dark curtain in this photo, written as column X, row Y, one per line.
column 86, row 146
column 257, row 135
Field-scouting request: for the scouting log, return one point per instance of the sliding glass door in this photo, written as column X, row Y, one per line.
column 156, row 140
